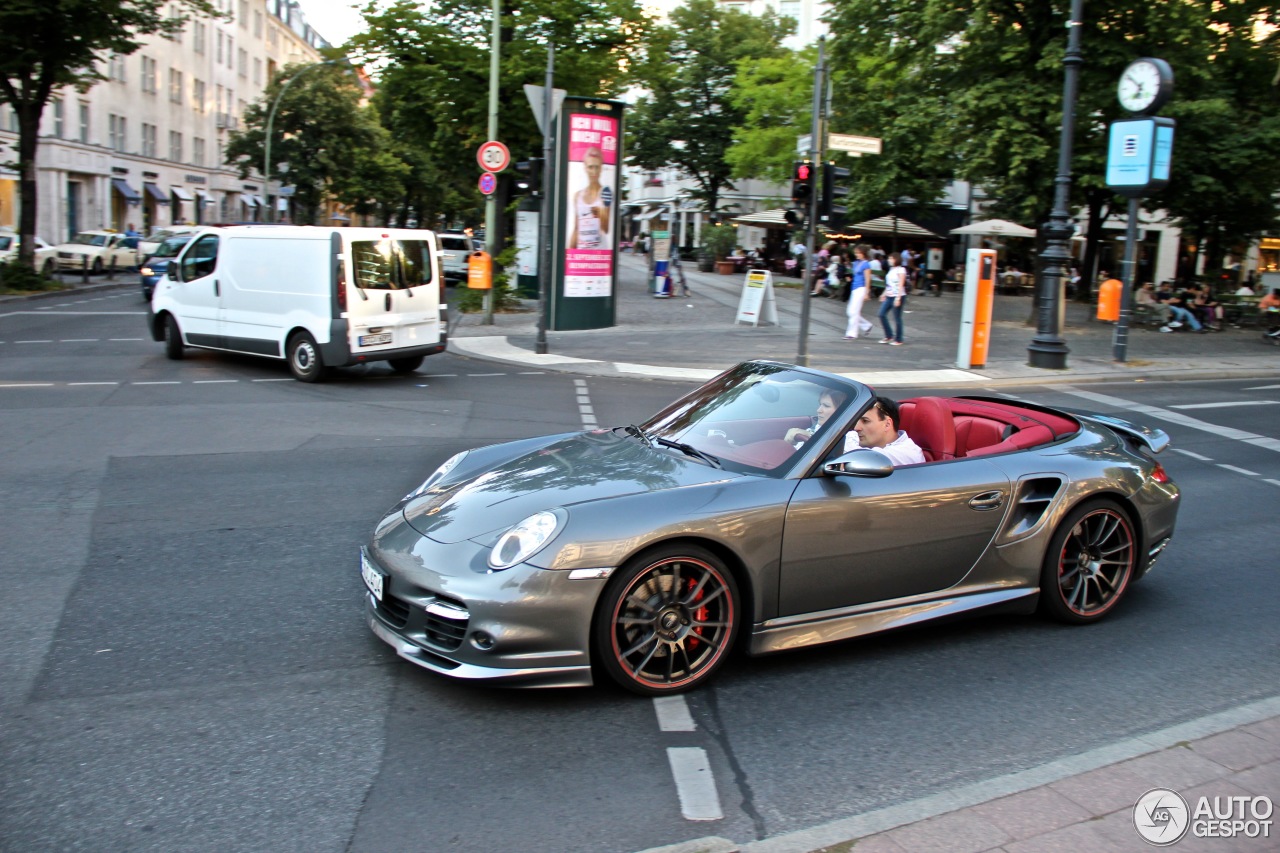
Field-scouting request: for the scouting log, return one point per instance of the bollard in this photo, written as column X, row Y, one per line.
column 84, row 269
column 111, row 269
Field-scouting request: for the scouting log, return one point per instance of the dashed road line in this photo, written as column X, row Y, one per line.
column 167, row 382
column 120, row 340
column 485, row 374
column 1174, row 417
column 79, row 340
column 74, row 384
column 1244, row 471
column 213, row 381
column 673, row 714
column 281, row 379
column 1226, row 405
column 33, row 342
column 1261, row 388
column 1192, row 454
column 27, row 385
column 695, row 784
column 1272, row 482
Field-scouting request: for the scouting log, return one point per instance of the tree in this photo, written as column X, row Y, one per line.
column 45, row 46
column 689, row 67
column 774, row 95
column 433, row 82
column 978, row 95
column 334, row 146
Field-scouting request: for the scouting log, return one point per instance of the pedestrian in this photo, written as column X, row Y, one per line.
column 860, row 286
column 892, row 300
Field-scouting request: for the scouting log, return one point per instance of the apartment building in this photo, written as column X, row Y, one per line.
column 145, row 146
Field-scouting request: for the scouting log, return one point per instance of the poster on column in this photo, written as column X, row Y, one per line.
column 591, row 171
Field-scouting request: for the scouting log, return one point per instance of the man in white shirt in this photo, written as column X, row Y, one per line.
column 877, row 429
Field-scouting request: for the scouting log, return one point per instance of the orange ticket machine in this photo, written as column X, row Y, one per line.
column 975, row 310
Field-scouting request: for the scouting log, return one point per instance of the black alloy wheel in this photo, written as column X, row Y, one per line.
column 1091, row 561
column 304, row 358
column 406, row 365
column 667, row 620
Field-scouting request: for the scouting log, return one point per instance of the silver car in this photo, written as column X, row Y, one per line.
column 741, row 517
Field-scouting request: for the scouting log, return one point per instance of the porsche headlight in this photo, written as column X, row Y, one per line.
column 440, row 473
column 523, row 541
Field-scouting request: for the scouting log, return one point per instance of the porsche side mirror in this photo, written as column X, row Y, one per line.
column 863, row 462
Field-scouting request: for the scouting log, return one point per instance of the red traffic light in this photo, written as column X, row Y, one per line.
column 803, row 171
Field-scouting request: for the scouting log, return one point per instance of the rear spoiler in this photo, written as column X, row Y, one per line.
column 1154, row 440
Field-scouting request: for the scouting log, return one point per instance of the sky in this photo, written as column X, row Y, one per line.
column 336, row 20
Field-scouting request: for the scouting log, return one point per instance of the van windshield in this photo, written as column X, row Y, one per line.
column 391, row 264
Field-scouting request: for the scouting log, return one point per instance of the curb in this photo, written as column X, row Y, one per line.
column 67, row 291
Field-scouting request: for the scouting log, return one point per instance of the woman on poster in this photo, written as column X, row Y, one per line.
column 591, row 206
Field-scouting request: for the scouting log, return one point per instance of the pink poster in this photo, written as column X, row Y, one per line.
column 592, row 170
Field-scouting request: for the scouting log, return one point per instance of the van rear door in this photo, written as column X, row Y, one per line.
column 393, row 293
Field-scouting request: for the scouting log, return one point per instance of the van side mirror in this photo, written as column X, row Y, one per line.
column 863, row 462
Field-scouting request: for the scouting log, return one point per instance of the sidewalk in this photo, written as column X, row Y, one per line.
column 1081, row 804
column 695, row 337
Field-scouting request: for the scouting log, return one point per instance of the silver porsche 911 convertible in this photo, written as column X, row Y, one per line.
column 746, row 515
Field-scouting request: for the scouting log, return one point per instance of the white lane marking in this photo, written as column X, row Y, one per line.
column 73, row 384
column 673, row 714
column 155, row 383
column 285, row 379
column 124, row 339
column 1272, row 482
column 33, row 342
column 1261, row 388
column 486, row 374
column 1238, row 470
column 213, row 381
column 1173, row 417
column 699, row 799
column 1191, row 454
column 532, row 373
column 79, row 340
column 1226, row 405
column 77, row 313
column 28, row 385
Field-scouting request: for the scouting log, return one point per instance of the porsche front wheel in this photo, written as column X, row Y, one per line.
column 667, row 620
column 1091, row 561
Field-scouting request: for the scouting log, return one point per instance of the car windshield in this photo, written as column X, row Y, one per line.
column 172, row 246
column 455, row 244
column 757, row 416
column 91, row 239
column 7, row 243
column 390, row 264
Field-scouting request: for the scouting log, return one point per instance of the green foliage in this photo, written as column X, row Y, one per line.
column 719, row 240
column 689, row 67
column 17, row 277
column 433, row 87
column 333, row 145
column 774, row 94
column 506, row 299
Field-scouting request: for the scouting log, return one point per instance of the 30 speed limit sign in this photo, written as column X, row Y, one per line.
column 493, row 157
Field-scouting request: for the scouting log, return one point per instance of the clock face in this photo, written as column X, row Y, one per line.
column 1139, row 86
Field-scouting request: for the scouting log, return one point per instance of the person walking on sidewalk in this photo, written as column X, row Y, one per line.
column 860, row 286
column 892, row 300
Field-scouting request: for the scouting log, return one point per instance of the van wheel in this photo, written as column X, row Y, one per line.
column 172, row 338
column 406, row 365
column 49, row 268
column 304, row 358
column 97, row 266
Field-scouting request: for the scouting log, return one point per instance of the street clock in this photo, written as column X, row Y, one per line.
column 1146, row 85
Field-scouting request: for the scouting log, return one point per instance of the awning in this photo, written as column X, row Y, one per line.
column 122, row 186
column 260, row 200
column 765, row 219
column 251, row 200
column 156, row 193
column 182, row 193
column 886, row 226
column 646, row 216
column 204, row 197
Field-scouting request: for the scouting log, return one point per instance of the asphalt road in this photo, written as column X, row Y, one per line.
column 184, row 664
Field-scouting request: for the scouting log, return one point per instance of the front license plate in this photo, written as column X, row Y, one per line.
column 372, row 577
column 375, row 340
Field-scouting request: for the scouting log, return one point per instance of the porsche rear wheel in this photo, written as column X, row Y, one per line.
column 1090, row 564
column 667, row 620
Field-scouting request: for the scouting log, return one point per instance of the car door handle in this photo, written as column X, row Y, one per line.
column 388, row 303
column 987, row 500
column 217, row 291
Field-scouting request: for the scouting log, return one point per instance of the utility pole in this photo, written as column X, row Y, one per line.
column 491, row 201
column 817, row 150
column 545, row 205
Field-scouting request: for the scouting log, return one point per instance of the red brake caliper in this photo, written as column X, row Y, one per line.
column 699, row 615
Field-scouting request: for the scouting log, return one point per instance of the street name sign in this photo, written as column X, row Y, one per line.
column 854, row 144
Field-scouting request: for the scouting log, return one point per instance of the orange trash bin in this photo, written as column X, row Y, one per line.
column 479, row 271
column 1109, row 300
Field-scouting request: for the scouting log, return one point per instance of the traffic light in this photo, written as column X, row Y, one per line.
column 529, row 181
column 802, row 184
column 829, row 212
column 794, row 217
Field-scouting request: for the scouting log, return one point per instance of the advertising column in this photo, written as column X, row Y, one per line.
column 590, row 143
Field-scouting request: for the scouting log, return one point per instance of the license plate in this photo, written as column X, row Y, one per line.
column 372, row 577
column 374, row 340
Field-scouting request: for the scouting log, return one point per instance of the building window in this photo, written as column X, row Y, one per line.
column 84, row 122
column 242, row 62
column 197, row 95
column 273, row 37
column 175, row 146
column 789, row 9
column 59, row 118
column 148, row 140
column 175, row 85
column 217, row 57
column 149, row 82
column 257, row 24
column 174, row 13
column 115, row 68
column 222, row 94
column 198, row 35
column 117, row 133
column 230, row 58
column 244, row 13
column 197, row 151
column 257, row 71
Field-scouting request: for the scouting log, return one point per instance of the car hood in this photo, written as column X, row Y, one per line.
column 591, row 466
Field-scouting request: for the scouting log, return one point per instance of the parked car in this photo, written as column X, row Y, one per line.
column 155, row 266
column 46, row 259
column 100, row 250
column 647, row 553
column 456, row 249
column 148, row 246
column 276, row 291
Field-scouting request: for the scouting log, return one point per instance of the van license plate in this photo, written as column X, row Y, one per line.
column 372, row 577
column 374, row 340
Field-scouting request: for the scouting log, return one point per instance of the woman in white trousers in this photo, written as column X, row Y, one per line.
column 860, row 286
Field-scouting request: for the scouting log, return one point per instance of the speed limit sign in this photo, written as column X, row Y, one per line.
column 493, row 156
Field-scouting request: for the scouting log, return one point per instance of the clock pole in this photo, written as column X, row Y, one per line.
column 1047, row 349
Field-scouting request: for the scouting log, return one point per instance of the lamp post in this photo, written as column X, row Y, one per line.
column 1047, row 349
column 271, row 120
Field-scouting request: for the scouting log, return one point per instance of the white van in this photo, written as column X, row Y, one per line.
column 319, row 298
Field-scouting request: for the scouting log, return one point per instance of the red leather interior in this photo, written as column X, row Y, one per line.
column 979, row 427
column 929, row 423
column 973, row 432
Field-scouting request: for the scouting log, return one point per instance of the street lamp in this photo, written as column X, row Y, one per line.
column 271, row 119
